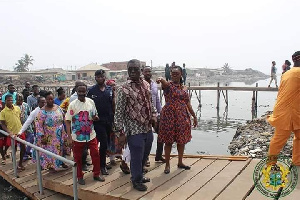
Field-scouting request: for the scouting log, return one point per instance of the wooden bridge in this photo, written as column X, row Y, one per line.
column 210, row 177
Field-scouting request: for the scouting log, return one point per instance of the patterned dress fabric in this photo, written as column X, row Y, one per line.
column 51, row 136
column 175, row 122
column 25, row 110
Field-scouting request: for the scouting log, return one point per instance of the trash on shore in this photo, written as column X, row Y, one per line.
column 253, row 139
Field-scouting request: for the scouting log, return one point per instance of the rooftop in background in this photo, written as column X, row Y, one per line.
column 92, row 67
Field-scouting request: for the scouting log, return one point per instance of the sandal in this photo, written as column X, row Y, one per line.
column 64, row 166
column 3, row 162
column 21, row 168
column 124, row 167
column 167, row 171
column 184, row 167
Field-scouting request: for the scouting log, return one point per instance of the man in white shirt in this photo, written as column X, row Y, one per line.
column 79, row 122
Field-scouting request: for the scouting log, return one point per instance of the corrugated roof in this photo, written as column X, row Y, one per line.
column 92, row 67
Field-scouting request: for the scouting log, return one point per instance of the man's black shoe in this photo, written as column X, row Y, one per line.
column 104, row 171
column 99, row 178
column 108, row 167
column 145, row 180
column 81, row 181
column 139, row 186
column 161, row 159
column 84, row 168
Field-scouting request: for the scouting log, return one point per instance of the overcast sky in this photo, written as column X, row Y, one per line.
column 200, row 33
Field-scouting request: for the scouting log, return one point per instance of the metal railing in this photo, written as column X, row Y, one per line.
column 39, row 169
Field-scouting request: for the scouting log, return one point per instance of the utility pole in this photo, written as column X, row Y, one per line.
column 151, row 63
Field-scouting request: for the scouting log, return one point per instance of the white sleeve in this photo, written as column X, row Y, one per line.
column 29, row 120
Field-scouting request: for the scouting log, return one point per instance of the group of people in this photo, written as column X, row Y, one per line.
column 101, row 121
column 285, row 67
column 168, row 72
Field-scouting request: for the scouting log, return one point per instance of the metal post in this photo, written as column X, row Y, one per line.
column 13, row 152
column 75, row 192
column 39, row 173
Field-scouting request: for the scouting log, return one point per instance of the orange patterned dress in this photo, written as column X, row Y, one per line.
column 175, row 121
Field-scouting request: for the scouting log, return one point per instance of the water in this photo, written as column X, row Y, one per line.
column 215, row 130
column 7, row 192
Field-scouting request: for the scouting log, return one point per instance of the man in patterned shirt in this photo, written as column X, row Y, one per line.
column 136, row 113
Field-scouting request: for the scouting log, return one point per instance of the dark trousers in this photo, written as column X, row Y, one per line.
column 159, row 145
column 103, row 129
column 140, row 147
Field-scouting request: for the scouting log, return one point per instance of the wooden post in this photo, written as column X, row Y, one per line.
column 226, row 97
column 253, row 105
column 200, row 101
column 256, row 93
column 218, row 97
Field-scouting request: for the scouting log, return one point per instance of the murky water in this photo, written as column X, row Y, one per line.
column 8, row 192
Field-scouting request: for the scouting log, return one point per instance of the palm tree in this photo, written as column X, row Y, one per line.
column 20, row 66
column 27, row 59
column 23, row 64
column 226, row 68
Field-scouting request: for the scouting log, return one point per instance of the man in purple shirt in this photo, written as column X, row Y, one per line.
column 147, row 72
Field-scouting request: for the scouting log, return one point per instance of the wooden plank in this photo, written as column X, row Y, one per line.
column 58, row 196
column 35, row 191
column 218, row 157
column 177, row 181
column 198, row 181
column 213, row 188
column 243, row 182
column 296, row 193
column 113, row 186
column 158, row 178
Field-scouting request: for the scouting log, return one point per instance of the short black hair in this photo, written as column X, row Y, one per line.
column 39, row 99
column 60, row 91
column 48, row 93
column 34, row 86
column 10, row 85
column 42, row 93
column 99, row 72
column 8, row 96
column 82, row 85
column 287, row 62
column 135, row 62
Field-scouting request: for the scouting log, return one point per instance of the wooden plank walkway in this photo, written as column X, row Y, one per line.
column 210, row 177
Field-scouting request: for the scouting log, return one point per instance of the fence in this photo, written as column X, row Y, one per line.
column 39, row 170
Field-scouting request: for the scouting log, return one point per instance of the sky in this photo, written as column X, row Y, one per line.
column 199, row 33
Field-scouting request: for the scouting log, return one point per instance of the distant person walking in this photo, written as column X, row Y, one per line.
column 184, row 74
column 286, row 66
column 273, row 74
column 167, row 72
column 286, row 114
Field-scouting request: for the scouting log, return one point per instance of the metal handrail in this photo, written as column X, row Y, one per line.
column 39, row 173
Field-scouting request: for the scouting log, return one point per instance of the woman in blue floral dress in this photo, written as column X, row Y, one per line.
column 50, row 134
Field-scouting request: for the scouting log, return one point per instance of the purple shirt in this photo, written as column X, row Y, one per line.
column 155, row 97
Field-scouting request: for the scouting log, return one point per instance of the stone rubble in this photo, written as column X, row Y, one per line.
column 253, row 139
